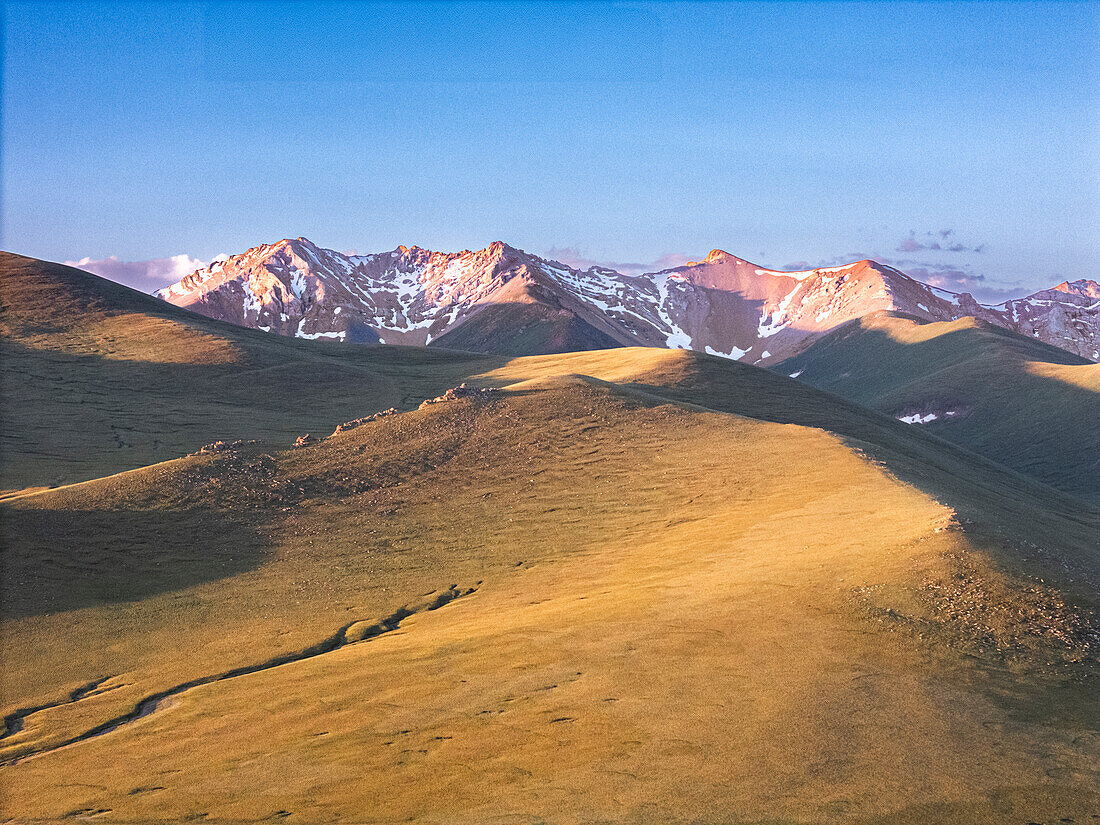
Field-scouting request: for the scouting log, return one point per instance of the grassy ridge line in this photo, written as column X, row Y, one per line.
column 950, row 472
column 1015, row 400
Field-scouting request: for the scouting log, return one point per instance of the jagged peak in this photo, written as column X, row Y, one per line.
column 405, row 251
column 720, row 256
column 871, row 263
column 291, row 245
column 879, row 267
column 496, row 248
column 300, row 240
column 502, row 248
column 1082, row 286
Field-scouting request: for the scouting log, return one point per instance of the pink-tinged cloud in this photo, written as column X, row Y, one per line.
column 913, row 245
column 571, row 256
column 936, row 242
column 960, row 279
column 146, row 276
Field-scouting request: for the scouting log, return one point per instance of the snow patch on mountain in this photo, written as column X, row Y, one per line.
column 734, row 354
column 917, row 418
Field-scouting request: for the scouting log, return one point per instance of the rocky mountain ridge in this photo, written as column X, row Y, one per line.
column 502, row 299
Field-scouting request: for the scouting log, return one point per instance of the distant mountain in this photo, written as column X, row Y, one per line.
column 1081, row 288
column 503, row 300
column 1067, row 316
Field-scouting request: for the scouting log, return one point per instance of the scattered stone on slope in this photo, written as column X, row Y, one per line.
column 461, row 391
column 236, row 481
column 358, row 422
column 304, row 441
column 970, row 605
column 224, row 446
column 996, row 617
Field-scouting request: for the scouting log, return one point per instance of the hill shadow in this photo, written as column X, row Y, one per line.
column 72, row 417
column 64, row 559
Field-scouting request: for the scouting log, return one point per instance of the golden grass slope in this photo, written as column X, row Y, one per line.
column 1013, row 399
column 670, row 612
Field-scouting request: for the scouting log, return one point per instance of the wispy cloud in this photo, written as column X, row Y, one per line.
column 940, row 241
column 957, row 278
column 945, row 277
column 146, row 276
column 572, row 256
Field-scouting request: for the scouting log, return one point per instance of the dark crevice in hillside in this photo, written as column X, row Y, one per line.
column 351, row 633
column 13, row 722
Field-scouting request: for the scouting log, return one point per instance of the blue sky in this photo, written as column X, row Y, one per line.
column 612, row 132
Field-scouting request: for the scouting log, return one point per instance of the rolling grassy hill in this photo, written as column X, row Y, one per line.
column 1018, row 401
column 628, row 585
column 99, row 378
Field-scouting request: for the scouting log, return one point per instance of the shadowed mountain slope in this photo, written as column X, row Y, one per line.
column 531, row 322
column 1016, row 400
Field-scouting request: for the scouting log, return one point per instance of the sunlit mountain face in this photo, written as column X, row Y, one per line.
column 501, row 299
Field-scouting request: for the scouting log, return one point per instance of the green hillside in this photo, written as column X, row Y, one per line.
column 1020, row 402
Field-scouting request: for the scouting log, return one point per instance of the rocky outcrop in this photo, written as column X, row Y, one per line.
column 224, row 447
column 359, row 422
column 461, row 391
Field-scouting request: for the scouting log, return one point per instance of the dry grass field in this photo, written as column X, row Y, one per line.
column 629, row 585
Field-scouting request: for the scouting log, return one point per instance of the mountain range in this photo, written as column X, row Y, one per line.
column 506, row 301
